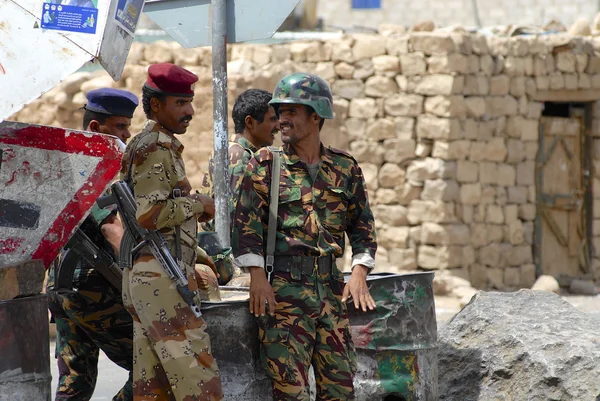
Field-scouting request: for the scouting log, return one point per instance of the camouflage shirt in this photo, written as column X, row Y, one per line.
column 312, row 216
column 158, row 169
column 241, row 151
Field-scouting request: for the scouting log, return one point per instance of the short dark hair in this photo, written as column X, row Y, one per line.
column 253, row 103
column 310, row 110
column 147, row 95
column 89, row 116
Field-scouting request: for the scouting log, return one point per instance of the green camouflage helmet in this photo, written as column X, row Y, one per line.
column 307, row 89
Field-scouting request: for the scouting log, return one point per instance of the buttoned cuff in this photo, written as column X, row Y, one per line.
column 250, row 260
column 363, row 259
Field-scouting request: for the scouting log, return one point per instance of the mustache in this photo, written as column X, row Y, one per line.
column 185, row 119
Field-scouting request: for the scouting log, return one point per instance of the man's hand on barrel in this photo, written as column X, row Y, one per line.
column 357, row 289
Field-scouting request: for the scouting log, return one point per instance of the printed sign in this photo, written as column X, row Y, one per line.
column 70, row 15
column 128, row 14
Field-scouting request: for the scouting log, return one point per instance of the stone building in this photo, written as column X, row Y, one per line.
column 481, row 153
column 352, row 14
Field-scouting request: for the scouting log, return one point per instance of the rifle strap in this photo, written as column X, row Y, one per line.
column 273, row 206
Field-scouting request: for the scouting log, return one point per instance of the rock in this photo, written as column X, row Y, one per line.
column 348, row 88
column 368, row 46
column 103, row 81
column 554, row 26
column 581, row 27
column 21, row 280
column 380, row 86
column 344, row 70
column 413, row 63
column 386, row 64
column 424, row 26
column 583, row 287
column 363, row 108
column 390, row 29
column 423, row 149
column 546, row 283
column 404, row 105
column 596, row 25
column 446, row 283
column 399, row 150
column 391, row 175
column 432, row 42
column 465, row 295
column 439, row 84
column 529, row 345
column 381, row 129
column 72, row 83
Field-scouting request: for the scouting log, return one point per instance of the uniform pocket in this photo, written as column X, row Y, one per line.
column 290, row 211
column 335, row 206
column 275, row 354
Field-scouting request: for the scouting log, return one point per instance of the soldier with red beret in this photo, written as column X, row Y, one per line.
column 172, row 351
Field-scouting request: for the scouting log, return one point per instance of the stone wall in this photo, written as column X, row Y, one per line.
column 339, row 13
column 445, row 126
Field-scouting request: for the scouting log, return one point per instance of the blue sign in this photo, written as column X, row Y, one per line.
column 128, row 13
column 70, row 18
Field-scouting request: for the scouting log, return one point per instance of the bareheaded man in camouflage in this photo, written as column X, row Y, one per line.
column 172, row 352
column 256, row 125
column 322, row 196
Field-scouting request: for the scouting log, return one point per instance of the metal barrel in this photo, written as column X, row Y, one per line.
column 24, row 349
column 234, row 340
column 396, row 344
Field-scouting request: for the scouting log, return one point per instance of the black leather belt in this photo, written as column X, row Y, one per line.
column 307, row 264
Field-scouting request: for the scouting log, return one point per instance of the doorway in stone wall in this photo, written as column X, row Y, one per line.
column 563, row 191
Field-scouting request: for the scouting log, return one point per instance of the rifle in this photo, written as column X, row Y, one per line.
column 80, row 246
column 136, row 237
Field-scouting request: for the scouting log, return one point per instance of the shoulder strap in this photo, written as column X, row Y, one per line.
column 273, row 206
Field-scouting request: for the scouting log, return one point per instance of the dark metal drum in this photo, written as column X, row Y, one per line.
column 395, row 344
column 24, row 349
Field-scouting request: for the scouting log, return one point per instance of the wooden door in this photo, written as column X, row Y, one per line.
column 560, row 224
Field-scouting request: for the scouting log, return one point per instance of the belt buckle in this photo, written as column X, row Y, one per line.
column 316, row 264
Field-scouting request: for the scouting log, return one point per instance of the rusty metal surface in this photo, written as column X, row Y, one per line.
column 24, row 349
column 34, row 60
column 54, row 175
column 396, row 344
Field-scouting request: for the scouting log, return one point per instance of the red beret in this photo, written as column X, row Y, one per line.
column 172, row 80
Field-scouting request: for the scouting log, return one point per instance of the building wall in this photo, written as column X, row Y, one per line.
column 450, row 12
column 445, row 127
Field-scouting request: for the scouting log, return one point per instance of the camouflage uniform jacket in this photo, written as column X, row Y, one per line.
column 241, row 151
column 158, row 169
column 312, row 216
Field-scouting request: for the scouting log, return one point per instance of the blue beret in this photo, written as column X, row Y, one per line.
column 113, row 102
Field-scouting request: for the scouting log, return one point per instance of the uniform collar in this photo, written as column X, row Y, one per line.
column 166, row 137
column 243, row 142
column 293, row 158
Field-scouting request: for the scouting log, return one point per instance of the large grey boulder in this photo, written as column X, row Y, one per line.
column 525, row 345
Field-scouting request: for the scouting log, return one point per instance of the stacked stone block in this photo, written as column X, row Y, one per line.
column 444, row 124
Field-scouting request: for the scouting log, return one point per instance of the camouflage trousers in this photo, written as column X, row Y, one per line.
column 310, row 327
column 86, row 321
column 172, row 357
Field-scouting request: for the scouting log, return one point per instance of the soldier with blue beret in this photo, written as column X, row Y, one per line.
column 90, row 316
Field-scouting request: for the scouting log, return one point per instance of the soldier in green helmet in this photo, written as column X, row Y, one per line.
column 322, row 197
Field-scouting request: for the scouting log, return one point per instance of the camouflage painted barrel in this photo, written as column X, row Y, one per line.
column 396, row 343
column 24, row 349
